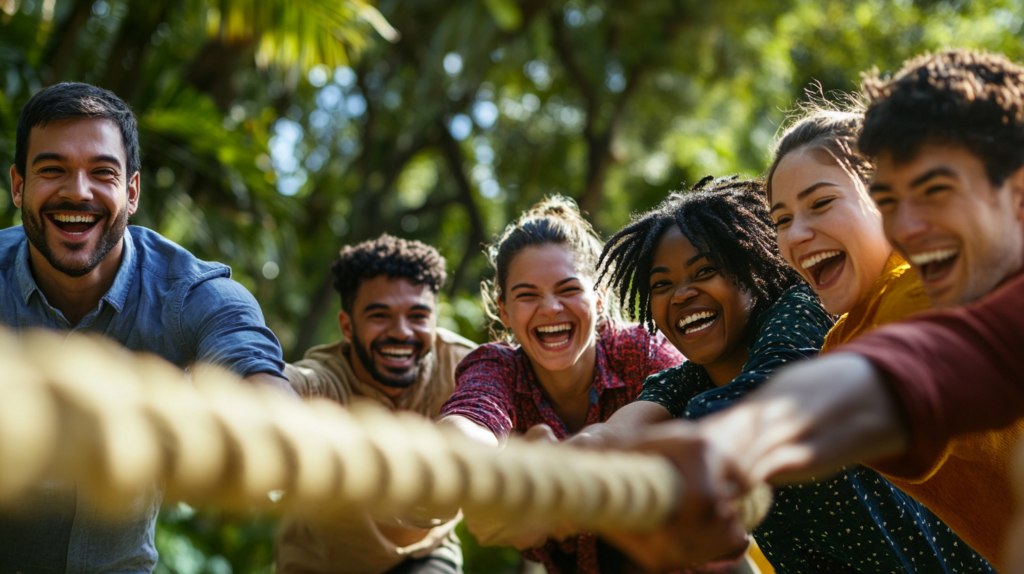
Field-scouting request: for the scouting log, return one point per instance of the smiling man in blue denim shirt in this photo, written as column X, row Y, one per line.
column 75, row 265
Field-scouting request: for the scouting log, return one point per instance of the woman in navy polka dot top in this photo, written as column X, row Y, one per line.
column 703, row 268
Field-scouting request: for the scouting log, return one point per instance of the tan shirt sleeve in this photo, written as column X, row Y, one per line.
column 311, row 378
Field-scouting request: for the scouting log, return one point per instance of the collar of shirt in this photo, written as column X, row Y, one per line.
column 116, row 296
column 604, row 379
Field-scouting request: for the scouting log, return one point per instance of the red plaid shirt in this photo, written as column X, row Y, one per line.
column 496, row 388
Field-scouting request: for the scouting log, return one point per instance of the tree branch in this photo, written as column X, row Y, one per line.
column 453, row 154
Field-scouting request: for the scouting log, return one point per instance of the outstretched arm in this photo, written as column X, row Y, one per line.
column 625, row 426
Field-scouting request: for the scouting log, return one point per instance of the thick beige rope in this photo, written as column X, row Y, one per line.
column 119, row 422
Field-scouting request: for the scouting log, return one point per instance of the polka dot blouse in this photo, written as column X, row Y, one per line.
column 856, row 522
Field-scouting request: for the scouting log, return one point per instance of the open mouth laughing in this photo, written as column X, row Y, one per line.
column 824, row 267
column 554, row 337
column 74, row 224
column 697, row 322
column 397, row 357
column 935, row 264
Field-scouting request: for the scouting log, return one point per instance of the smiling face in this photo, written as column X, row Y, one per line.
column 961, row 234
column 76, row 196
column 550, row 306
column 698, row 308
column 829, row 230
column 391, row 329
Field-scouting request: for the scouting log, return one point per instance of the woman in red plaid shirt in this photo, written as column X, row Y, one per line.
column 567, row 365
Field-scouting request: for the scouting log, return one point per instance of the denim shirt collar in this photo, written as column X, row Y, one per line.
column 116, row 296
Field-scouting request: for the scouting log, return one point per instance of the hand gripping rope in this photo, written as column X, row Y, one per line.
column 120, row 422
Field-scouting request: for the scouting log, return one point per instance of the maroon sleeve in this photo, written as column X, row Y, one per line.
column 484, row 383
column 954, row 372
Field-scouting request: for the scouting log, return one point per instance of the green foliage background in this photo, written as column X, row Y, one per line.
column 275, row 131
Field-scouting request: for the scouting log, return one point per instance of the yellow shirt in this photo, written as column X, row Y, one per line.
column 969, row 488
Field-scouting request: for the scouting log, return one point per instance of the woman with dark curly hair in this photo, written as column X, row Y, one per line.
column 704, row 268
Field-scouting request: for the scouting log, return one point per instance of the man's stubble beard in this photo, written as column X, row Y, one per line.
column 35, row 230
column 394, row 382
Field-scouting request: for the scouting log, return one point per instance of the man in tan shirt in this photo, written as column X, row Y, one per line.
column 393, row 353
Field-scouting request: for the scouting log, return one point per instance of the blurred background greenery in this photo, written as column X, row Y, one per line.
column 275, row 131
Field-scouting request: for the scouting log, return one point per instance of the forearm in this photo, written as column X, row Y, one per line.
column 272, row 381
column 811, row 419
column 623, row 427
column 473, row 431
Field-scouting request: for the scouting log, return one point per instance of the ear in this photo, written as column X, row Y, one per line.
column 134, row 188
column 503, row 314
column 602, row 295
column 345, row 322
column 17, row 187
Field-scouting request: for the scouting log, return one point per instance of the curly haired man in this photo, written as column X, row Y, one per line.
column 395, row 354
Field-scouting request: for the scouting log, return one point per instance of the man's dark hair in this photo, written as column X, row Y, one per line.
column 965, row 98
column 726, row 219
column 386, row 255
column 76, row 100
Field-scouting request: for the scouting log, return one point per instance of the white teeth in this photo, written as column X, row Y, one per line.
column 815, row 259
column 74, row 218
column 397, row 351
column 699, row 327
column 695, row 317
column 554, row 328
column 933, row 256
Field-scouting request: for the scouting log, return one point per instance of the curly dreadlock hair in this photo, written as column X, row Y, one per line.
column 726, row 219
column 386, row 255
column 962, row 97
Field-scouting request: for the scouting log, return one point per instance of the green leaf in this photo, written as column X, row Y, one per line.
column 506, row 13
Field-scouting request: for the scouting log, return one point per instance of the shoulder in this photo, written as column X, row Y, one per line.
column 798, row 303
column 669, row 376
column 903, row 296
column 162, row 258
column 491, row 360
column 11, row 240
column 797, row 313
column 616, row 335
column 499, row 352
column 449, row 339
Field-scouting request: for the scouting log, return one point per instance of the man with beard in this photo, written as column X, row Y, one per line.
column 75, row 265
column 395, row 354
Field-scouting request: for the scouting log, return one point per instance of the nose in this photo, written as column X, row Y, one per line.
column 683, row 293
column 78, row 187
column 799, row 232
column 400, row 329
column 904, row 223
column 551, row 304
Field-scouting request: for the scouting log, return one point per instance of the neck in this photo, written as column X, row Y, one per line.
column 75, row 297
column 722, row 372
column 568, row 390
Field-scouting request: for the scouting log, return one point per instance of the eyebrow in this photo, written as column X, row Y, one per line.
column 48, row 156
column 689, row 262
column 920, row 180
column 932, row 173
column 375, row 307
column 532, row 286
column 803, row 194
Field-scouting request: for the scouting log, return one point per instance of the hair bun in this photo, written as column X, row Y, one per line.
column 558, row 206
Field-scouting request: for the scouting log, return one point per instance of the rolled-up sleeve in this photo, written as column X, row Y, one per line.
column 484, row 381
column 952, row 372
column 223, row 324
